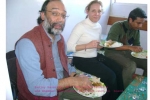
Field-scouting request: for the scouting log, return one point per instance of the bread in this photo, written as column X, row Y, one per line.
column 96, row 81
column 108, row 43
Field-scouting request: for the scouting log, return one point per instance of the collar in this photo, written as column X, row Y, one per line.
column 89, row 22
column 126, row 23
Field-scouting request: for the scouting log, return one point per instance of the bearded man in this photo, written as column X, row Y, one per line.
column 42, row 67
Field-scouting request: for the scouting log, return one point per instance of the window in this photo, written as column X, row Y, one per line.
column 132, row 1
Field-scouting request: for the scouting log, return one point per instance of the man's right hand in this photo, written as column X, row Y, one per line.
column 82, row 83
column 136, row 48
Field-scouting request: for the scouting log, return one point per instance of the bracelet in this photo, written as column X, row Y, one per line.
column 85, row 47
column 74, row 75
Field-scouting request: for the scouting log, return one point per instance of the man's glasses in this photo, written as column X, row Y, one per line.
column 56, row 14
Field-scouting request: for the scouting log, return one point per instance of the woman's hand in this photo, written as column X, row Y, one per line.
column 92, row 44
column 99, row 47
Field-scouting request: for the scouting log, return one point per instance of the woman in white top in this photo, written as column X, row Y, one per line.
column 84, row 42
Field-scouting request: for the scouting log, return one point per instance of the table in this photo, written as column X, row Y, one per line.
column 137, row 89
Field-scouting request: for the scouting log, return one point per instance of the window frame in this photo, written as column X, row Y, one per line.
column 131, row 1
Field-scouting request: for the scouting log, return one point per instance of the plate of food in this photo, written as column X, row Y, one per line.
column 110, row 44
column 99, row 88
column 141, row 55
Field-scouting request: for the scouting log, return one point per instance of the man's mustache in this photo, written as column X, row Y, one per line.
column 61, row 24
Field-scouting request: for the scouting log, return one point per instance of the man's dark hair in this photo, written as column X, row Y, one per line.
column 43, row 9
column 137, row 12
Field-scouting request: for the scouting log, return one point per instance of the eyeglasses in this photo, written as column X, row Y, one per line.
column 56, row 14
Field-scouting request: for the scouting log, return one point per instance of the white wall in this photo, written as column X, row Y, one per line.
column 22, row 14
column 21, row 17
column 104, row 18
column 122, row 10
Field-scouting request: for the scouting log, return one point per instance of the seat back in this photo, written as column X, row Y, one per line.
column 10, row 54
column 12, row 70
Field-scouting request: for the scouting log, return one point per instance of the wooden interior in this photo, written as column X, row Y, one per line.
column 112, row 19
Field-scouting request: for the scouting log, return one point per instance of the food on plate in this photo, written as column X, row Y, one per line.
column 115, row 44
column 112, row 44
column 142, row 54
column 108, row 43
column 96, row 81
column 97, row 84
column 99, row 89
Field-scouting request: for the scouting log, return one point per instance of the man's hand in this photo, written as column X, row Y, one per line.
column 135, row 48
column 82, row 83
column 72, row 74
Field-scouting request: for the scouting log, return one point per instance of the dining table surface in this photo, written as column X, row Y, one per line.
column 137, row 89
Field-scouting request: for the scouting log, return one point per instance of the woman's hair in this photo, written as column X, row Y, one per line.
column 87, row 8
column 43, row 9
column 137, row 12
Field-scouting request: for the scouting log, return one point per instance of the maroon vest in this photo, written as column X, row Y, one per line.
column 44, row 48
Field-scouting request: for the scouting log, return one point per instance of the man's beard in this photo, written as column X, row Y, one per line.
column 50, row 27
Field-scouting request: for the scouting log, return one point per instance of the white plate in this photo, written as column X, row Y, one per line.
column 141, row 55
column 114, row 45
column 98, row 92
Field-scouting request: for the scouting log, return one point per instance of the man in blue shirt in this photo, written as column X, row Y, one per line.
column 41, row 63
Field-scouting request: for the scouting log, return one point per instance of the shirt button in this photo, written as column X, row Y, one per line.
column 51, row 58
column 53, row 69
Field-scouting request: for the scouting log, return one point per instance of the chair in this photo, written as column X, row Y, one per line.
column 12, row 70
column 10, row 54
